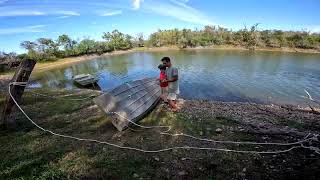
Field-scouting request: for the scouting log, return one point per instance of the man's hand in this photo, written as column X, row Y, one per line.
column 165, row 80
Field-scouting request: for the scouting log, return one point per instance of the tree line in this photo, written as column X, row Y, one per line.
column 46, row 49
column 250, row 38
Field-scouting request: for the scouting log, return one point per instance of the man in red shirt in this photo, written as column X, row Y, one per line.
column 163, row 85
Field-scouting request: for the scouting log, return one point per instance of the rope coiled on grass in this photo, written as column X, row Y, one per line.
column 298, row 144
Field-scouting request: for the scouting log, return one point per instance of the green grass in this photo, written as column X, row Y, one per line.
column 28, row 153
column 7, row 72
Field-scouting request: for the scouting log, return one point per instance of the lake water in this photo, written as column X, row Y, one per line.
column 265, row 77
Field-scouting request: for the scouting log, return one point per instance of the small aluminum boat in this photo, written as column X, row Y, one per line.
column 85, row 79
column 130, row 101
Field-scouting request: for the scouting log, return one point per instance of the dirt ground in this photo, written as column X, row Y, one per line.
column 29, row 153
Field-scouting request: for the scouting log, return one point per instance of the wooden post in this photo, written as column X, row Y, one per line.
column 22, row 74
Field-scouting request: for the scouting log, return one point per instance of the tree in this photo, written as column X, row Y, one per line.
column 65, row 40
column 86, row 46
column 28, row 45
column 67, row 43
column 139, row 40
column 280, row 36
column 250, row 38
column 47, row 45
column 155, row 40
column 118, row 40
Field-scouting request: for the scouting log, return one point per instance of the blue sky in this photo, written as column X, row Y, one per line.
column 31, row 19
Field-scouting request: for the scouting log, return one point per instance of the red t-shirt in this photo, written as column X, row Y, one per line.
column 162, row 77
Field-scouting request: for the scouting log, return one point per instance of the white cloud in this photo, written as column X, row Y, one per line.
column 111, row 13
column 178, row 10
column 68, row 13
column 23, row 29
column 14, row 13
column 136, row 4
column 63, row 17
column 21, row 13
column 183, row 1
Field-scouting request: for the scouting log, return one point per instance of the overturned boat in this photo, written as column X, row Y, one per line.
column 85, row 79
column 130, row 101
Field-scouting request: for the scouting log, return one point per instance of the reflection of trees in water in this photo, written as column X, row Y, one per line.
column 245, row 64
column 118, row 68
column 68, row 74
column 117, row 65
column 55, row 79
column 267, row 62
column 85, row 68
column 90, row 67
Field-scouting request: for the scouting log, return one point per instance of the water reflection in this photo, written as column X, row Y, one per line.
column 206, row 74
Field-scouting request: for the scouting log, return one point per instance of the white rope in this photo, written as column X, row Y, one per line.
column 59, row 97
column 216, row 141
column 52, row 97
column 310, row 97
column 312, row 148
column 138, row 149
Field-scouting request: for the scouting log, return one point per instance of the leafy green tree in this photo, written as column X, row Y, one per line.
column 139, row 40
column 117, row 40
column 68, row 44
column 86, row 46
column 65, row 40
column 155, row 40
column 30, row 46
column 280, row 36
column 47, row 45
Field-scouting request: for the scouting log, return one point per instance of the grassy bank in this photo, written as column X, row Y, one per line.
column 29, row 153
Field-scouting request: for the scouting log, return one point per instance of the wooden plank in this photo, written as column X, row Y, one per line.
column 22, row 74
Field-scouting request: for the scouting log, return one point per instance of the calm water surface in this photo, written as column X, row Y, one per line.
column 270, row 77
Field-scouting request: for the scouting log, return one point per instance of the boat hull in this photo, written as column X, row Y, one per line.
column 85, row 80
column 130, row 101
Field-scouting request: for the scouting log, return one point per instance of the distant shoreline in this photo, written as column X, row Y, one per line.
column 44, row 66
column 223, row 47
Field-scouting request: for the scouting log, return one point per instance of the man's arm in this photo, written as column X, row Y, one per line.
column 175, row 76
